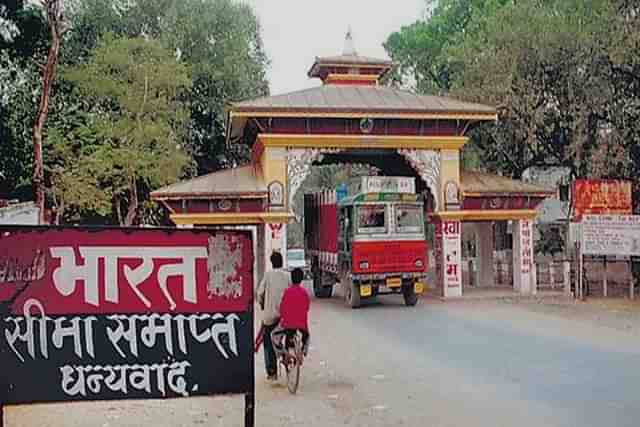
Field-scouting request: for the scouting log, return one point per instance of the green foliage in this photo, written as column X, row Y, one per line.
column 200, row 55
column 23, row 39
column 419, row 49
column 563, row 74
column 130, row 140
column 219, row 39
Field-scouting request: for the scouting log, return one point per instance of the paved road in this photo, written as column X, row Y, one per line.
column 437, row 364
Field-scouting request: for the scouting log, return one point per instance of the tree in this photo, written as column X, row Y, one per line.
column 419, row 49
column 548, row 78
column 551, row 79
column 220, row 41
column 54, row 10
column 23, row 39
column 137, row 122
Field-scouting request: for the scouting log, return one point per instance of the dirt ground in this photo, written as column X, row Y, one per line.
column 503, row 362
column 622, row 314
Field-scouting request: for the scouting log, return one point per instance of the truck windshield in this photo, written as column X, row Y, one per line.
column 295, row 255
column 371, row 219
column 409, row 219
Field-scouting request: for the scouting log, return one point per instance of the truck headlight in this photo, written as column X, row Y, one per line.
column 364, row 265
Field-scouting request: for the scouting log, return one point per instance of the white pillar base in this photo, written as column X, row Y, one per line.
column 523, row 275
column 448, row 253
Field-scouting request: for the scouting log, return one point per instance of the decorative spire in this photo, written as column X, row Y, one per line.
column 349, row 46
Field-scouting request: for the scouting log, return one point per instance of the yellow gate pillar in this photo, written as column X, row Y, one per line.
column 273, row 168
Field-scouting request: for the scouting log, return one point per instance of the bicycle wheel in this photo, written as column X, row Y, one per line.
column 293, row 373
column 294, row 363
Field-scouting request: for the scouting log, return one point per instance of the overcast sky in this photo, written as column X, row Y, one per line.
column 296, row 31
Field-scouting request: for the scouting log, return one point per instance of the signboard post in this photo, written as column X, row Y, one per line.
column 99, row 314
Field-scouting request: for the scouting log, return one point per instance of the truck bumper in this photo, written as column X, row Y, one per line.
column 391, row 286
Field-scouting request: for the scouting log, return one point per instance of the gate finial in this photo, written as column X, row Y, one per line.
column 349, row 46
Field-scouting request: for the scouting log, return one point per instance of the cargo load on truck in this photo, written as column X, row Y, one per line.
column 369, row 236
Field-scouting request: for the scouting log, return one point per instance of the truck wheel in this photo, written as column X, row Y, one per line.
column 351, row 293
column 410, row 297
column 319, row 290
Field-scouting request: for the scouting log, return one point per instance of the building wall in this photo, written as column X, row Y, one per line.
column 19, row 214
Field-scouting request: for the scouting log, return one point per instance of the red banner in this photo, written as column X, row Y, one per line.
column 126, row 271
column 596, row 197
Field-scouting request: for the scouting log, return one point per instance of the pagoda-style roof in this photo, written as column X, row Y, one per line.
column 240, row 182
column 480, row 184
column 349, row 61
column 345, row 101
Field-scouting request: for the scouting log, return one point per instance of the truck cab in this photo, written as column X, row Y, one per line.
column 369, row 237
column 381, row 246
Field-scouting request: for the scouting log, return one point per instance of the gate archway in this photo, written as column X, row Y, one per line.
column 350, row 114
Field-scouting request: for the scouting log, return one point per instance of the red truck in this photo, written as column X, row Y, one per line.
column 369, row 236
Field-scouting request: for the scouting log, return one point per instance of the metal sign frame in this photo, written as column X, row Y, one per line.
column 625, row 242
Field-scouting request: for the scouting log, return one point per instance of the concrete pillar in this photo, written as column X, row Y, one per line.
column 261, row 257
column 485, row 247
column 523, row 277
column 566, row 277
column 448, row 254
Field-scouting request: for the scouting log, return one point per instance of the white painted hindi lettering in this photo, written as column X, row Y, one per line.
column 74, row 331
column 71, row 386
column 66, row 275
column 130, row 334
column 176, row 380
column 229, row 329
column 183, row 265
column 113, row 382
column 152, row 329
column 201, row 327
column 82, row 380
column 60, row 328
column 140, row 378
column 29, row 335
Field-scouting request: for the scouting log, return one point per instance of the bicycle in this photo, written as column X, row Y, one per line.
column 291, row 358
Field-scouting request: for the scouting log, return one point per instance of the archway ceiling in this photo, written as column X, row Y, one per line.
column 388, row 162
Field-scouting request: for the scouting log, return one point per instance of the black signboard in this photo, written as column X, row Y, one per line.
column 97, row 314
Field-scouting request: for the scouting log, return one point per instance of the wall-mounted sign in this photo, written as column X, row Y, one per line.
column 451, row 196
column 276, row 194
column 599, row 197
column 381, row 184
column 95, row 314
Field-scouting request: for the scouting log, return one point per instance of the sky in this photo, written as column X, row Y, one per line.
column 294, row 32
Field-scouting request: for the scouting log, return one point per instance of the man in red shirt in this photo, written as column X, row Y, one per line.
column 294, row 310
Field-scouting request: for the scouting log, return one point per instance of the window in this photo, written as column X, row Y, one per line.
column 409, row 219
column 371, row 219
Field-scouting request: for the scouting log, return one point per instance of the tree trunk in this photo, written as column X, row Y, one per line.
column 132, row 210
column 118, row 209
column 59, row 212
column 48, row 74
